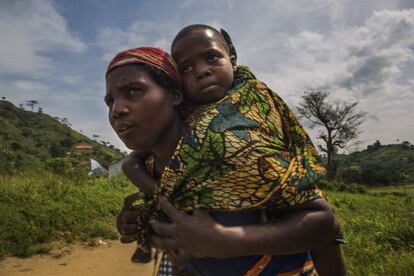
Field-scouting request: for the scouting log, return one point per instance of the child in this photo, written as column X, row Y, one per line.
column 246, row 149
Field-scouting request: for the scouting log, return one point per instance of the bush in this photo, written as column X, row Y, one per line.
column 36, row 209
column 338, row 186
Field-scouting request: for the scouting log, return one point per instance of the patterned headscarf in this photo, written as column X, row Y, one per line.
column 147, row 55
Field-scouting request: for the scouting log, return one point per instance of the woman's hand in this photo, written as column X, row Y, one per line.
column 187, row 236
column 126, row 221
column 198, row 235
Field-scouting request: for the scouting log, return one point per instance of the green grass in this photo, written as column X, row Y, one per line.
column 36, row 210
column 379, row 229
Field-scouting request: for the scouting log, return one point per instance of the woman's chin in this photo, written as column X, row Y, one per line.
column 135, row 145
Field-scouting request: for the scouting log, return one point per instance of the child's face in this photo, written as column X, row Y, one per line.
column 205, row 67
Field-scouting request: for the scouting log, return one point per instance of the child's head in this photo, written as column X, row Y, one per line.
column 205, row 64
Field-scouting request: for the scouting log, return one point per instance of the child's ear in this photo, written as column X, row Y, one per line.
column 233, row 60
column 177, row 97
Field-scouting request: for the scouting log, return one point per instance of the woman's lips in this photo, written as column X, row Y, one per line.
column 124, row 131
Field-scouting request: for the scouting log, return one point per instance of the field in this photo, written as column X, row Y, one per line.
column 379, row 230
column 36, row 210
column 408, row 189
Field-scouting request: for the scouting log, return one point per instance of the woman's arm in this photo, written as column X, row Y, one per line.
column 310, row 225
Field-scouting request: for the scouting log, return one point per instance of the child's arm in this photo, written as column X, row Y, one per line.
column 328, row 260
column 136, row 171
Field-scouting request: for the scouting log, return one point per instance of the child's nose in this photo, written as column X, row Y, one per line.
column 203, row 70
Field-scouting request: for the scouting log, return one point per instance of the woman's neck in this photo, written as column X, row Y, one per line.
column 167, row 144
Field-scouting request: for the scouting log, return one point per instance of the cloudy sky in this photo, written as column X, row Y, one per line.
column 56, row 52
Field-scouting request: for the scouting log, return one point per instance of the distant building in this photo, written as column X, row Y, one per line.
column 97, row 169
column 115, row 168
column 83, row 147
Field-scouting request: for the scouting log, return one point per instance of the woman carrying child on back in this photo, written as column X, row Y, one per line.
column 240, row 155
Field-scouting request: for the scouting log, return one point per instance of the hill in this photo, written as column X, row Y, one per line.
column 378, row 164
column 33, row 140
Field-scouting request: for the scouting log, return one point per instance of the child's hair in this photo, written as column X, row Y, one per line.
column 195, row 29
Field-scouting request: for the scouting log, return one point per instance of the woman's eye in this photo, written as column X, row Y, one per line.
column 135, row 92
column 109, row 101
column 186, row 68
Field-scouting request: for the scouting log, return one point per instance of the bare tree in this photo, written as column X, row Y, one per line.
column 339, row 122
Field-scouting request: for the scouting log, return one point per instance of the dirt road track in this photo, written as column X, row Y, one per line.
column 108, row 259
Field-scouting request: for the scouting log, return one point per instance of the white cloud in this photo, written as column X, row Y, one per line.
column 72, row 79
column 139, row 34
column 356, row 63
column 29, row 30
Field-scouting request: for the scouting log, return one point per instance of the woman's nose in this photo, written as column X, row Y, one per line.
column 119, row 108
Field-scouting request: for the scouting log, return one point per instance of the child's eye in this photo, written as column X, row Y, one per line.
column 212, row 58
column 186, row 68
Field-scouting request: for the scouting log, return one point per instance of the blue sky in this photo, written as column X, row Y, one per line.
column 56, row 52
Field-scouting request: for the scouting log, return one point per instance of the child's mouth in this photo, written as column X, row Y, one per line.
column 208, row 88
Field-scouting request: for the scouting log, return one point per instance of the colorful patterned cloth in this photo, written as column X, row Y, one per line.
column 147, row 55
column 246, row 151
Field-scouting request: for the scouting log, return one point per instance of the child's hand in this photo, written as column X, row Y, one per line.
column 134, row 168
column 134, row 161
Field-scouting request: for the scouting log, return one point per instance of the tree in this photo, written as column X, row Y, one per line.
column 31, row 103
column 374, row 146
column 339, row 122
column 3, row 98
column 40, row 110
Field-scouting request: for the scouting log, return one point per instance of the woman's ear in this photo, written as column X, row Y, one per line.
column 177, row 97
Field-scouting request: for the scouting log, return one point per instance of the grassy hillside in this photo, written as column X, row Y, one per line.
column 28, row 139
column 378, row 165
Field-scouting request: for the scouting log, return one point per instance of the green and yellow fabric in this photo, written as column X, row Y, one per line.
column 246, row 151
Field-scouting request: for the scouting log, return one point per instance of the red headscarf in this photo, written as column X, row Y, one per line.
column 148, row 55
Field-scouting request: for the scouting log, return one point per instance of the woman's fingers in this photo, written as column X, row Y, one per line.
column 164, row 229
column 128, row 239
column 164, row 243
column 129, row 200
column 178, row 256
column 129, row 229
column 173, row 213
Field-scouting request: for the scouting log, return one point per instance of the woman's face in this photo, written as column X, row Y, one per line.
column 140, row 111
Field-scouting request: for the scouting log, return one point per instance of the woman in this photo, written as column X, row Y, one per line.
column 143, row 111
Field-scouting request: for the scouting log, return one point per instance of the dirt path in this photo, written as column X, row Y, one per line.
column 110, row 258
